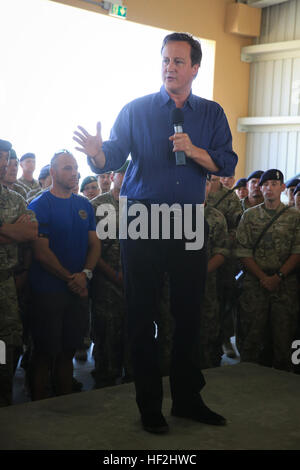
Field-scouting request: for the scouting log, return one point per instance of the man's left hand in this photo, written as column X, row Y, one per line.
column 77, row 283
column 271, row 283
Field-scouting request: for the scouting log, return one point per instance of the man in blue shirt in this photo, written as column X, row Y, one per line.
column 144, row 129
column 65, row 254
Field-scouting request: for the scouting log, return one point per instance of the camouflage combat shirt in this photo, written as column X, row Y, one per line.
column 280, row 241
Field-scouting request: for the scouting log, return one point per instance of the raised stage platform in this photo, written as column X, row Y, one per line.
column 262, row 406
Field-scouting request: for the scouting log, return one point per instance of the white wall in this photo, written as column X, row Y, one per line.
column 275, row 91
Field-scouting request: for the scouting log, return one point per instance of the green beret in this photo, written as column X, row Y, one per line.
column 87, row 180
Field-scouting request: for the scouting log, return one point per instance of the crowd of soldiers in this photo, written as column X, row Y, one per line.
column 252, row 288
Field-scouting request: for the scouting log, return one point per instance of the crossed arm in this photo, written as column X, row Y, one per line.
column 22, row 230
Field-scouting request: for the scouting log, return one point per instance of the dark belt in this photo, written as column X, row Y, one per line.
column 4, row 275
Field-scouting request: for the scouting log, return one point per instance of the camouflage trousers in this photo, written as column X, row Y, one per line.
column 267, row 322
column 109, row 334
column 10, row 337
column 210, row 331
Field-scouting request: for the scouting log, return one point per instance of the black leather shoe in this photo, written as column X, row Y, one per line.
column 155, row 423
column 197, row 411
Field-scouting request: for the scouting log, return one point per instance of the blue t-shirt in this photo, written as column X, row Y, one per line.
column 143, row 128
column 66, row 222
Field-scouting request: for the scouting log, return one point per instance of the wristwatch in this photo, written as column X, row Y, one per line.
column 280, row 274
column 88, row 273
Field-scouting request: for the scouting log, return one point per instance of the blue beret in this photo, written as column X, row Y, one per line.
column 5, row 146
column 255, row 174
column 27, row 155
column 45, row 171
column 87, row 180
column 297, row 189
column 241, row 183
column 271, row 175
column 292, row 182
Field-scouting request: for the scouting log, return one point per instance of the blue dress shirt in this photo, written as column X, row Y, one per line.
column 143, row 128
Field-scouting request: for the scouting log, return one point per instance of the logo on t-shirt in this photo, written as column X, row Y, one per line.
column 83, row 214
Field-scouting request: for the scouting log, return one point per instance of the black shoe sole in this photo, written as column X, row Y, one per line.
column 200, row 419
column 156, row 429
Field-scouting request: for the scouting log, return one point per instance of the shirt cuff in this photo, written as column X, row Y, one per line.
column 226, row 161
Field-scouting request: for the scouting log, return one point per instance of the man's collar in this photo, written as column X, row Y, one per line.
column 165, row 98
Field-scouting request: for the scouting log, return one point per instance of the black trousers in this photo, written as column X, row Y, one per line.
column 144, row 263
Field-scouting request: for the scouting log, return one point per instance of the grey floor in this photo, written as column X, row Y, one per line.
column 261, row 406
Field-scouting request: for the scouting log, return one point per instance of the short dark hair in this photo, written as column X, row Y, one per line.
column 196, row 51
column 57, row 155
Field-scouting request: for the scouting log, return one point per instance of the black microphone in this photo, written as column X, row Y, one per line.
column 177, row 121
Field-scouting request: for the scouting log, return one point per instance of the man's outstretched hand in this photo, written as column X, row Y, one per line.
column 91, row 145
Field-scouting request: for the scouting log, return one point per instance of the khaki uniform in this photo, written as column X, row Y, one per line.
column 210, row 333
column 227, row 202
column 245, row 204
column 19, row 189
column 33, row 193
column 108, row 330
column 12, row 206
column 267, row 320
column 28, row 185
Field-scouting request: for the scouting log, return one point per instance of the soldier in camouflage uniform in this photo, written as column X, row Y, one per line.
column 217, row 251
column 227, row 202
column 45, row 181
column 108, row 330
column 240, row 188
column 297, row 197
column 255, row 196
column 269, row 301
column 290, row 188
column 104, row 182
column 27, row 163
column 10, row 177
column 17, row 224
column 227, row 181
